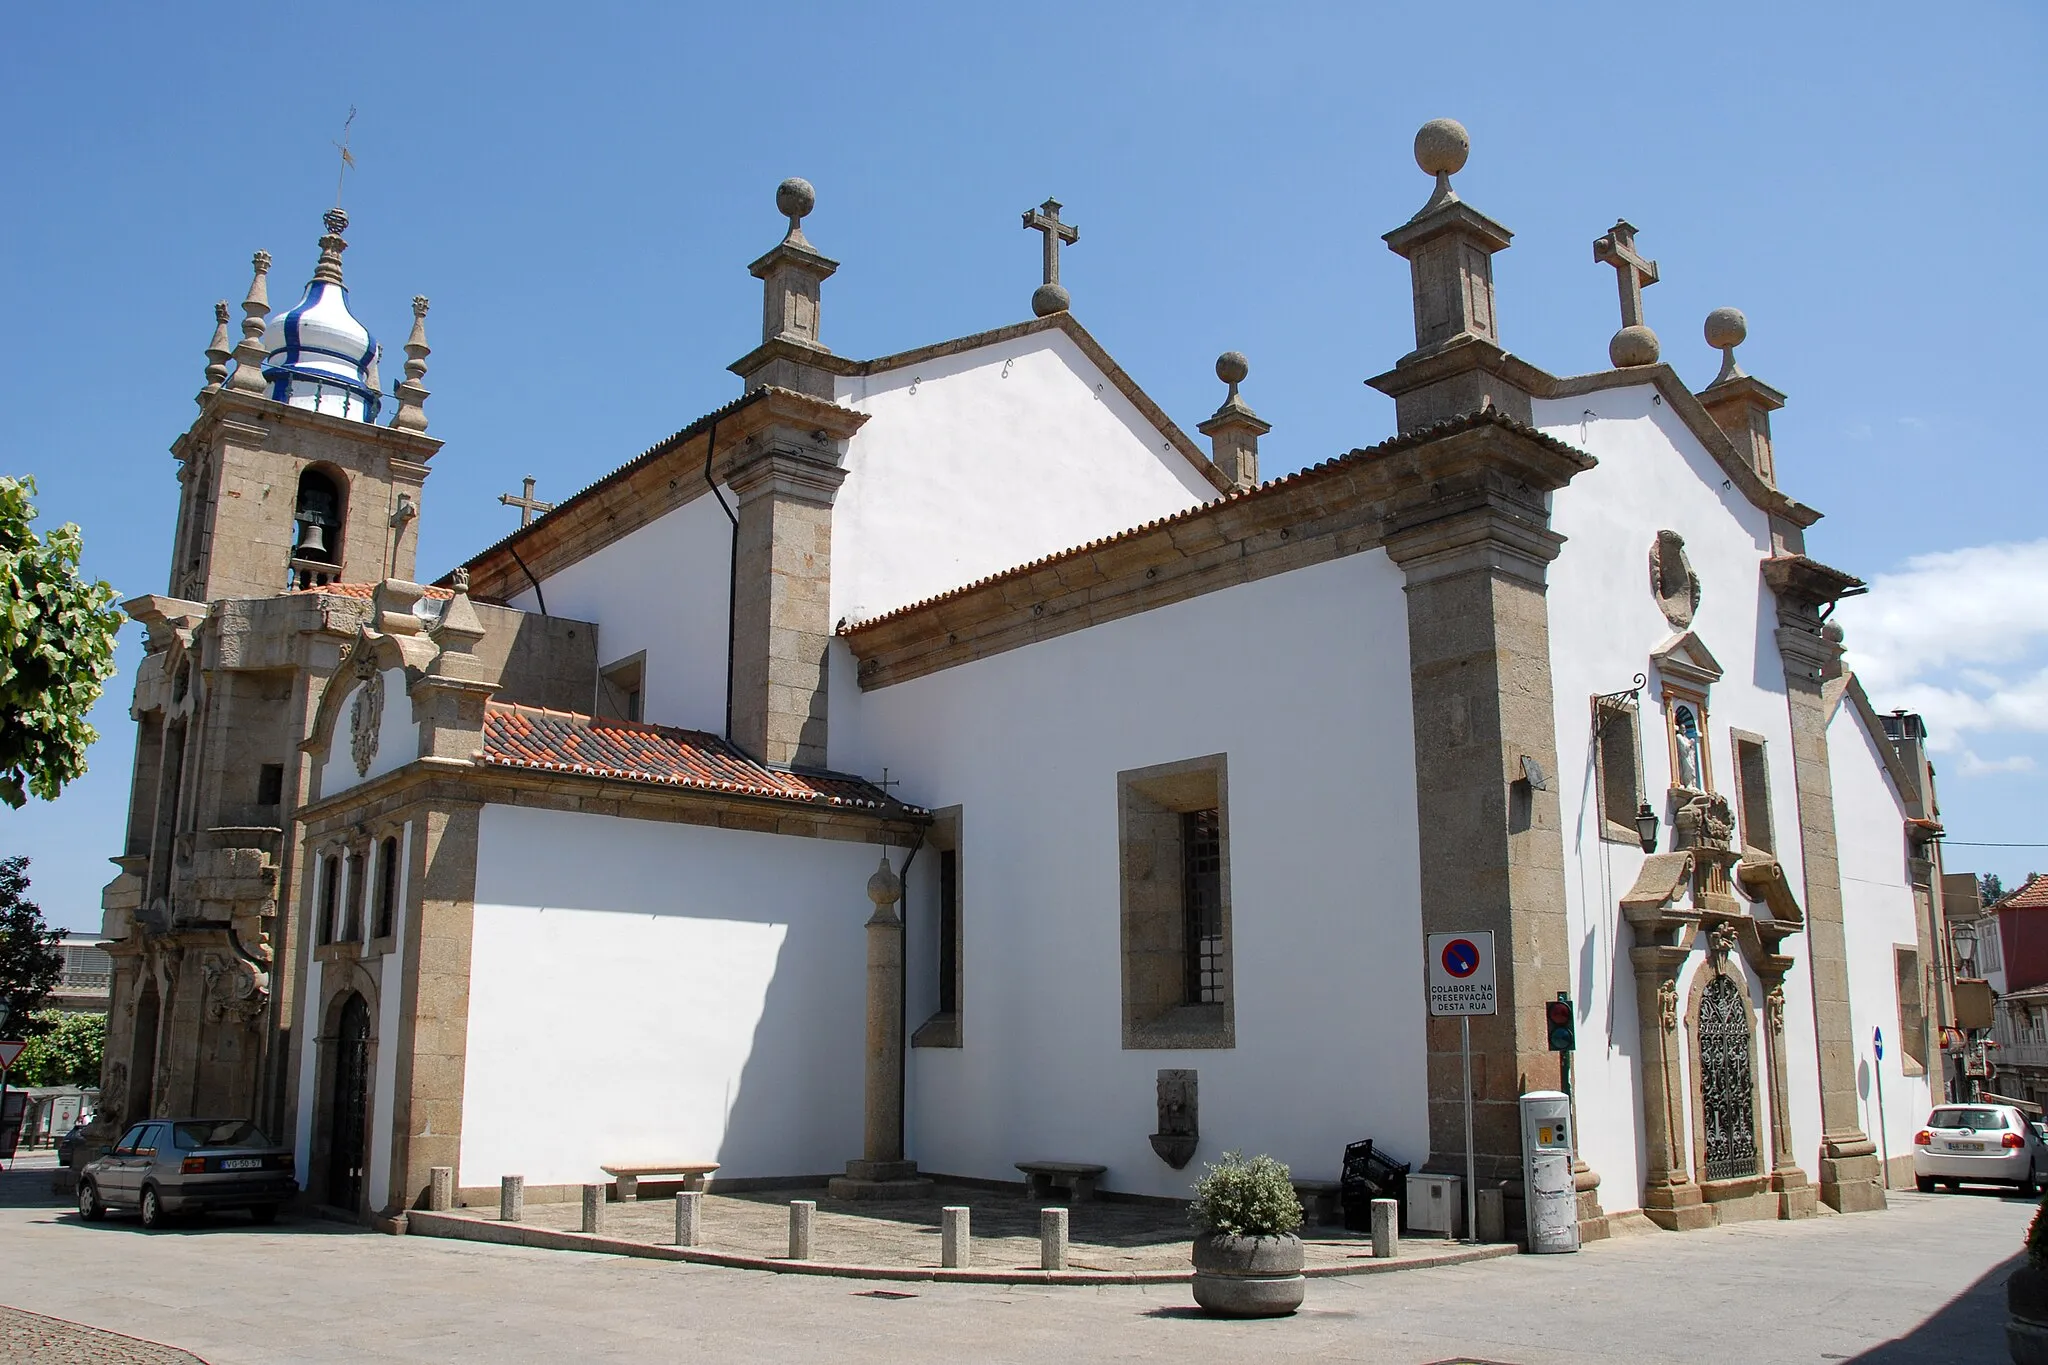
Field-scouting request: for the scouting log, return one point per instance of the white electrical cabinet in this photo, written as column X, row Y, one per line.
column 1436, row 1203
column 1553, row 1199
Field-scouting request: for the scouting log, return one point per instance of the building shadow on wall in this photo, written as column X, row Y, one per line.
column 796, row 1108
column 1969, row 1329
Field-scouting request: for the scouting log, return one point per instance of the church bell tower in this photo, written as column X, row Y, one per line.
column 288, row 481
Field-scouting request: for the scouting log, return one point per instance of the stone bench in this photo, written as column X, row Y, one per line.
column 1318, row 1201
column 1076, row 1178
column 695, row 1174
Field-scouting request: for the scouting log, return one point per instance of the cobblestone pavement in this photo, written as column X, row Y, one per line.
column 52, row 1341
column 1102, row 1234
column 1918, row 1284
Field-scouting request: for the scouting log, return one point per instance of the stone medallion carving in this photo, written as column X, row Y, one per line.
column 366, row 717
column 1672, row 581
column 234, row 989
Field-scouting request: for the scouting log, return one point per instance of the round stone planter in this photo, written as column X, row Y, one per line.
column 2026, row 1299
column 1249, row 1277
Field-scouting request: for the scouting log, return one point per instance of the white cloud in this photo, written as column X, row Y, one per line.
column 1986, row 605
column 1974, row 766
column 1962, row 638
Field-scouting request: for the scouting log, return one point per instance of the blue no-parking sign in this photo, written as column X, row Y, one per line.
column 1461, row 974
column 1877, row 1042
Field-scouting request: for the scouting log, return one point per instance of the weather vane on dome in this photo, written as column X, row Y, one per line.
column 346, row 160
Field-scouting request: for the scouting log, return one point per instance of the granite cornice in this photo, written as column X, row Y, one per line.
column 231, row 407
column 1458, row 355
column 1455, row 216
column 1807, row 583
column 1690, row 410
column 1342, row 507
column 1091, row 348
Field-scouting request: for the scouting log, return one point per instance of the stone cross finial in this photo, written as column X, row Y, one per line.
column 248, row 354
column 1635, row 344
column 1234, row 430
column 526, row 503
column 1051, row 297
column 412, row 395
column 331, row 246
column 218, row 352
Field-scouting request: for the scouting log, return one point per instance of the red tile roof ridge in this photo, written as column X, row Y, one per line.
column 368, row 590
column 1449, row 427
column 2033, row 895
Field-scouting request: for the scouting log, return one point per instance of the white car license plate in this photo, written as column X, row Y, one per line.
column 255, row 1163
column 1966, row 1146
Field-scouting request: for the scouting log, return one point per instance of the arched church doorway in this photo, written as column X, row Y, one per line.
column 142, row 1057
column 1727, row 1082
column 349, row 1104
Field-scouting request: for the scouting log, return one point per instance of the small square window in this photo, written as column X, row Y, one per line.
column 620, row 688
column 270, row 784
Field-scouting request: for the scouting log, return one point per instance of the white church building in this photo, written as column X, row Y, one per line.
column 968, row 768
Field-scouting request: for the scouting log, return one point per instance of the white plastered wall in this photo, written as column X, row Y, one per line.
column 1878, row 915
column 980, row 461
column 1301, row 680
column 1604, row 624
column 398, row 738
column 662, row 589
column 642, row 991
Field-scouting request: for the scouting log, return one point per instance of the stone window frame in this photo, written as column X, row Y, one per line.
column 1759, row 1100
column 381, row 930
column 355, row 892
column 1751, row 821
column 943, row 1028
column 1151, row 923
column 1604, row 709
column 1912, row 1062
column 1674, row 696
column 619, row 710
column 327, row 895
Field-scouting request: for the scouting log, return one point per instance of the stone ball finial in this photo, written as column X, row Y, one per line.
column 794, row 198
column 1048, row 299
column 1232, row 367
column 1441, row 146
column 1726, row 328
column 1633, row 346
column 885, row 888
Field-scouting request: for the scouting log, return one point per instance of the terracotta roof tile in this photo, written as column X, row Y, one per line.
column 2032, row 896
column 367, row 590
column 565, row 742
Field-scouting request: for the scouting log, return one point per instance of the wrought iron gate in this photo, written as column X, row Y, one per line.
column 351, row 1104
column 1727, row 1086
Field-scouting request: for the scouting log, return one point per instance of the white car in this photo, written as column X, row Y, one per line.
column 1983, row 1144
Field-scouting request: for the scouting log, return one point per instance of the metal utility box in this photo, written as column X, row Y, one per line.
column 1552, row 1199
column 1436, row 1203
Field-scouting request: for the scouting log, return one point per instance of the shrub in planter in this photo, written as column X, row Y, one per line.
column 2026, row 1297
column 1247, row 1258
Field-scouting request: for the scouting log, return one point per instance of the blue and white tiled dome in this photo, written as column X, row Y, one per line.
column 317, row 355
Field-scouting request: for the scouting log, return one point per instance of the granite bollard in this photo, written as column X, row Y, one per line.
column 511, row 1198
column 1386, row 1228
column 1052, row 1239
column 954, row 1251
column 689, row 1217
column 801, row 1212
column 440, row 1188
column 593, row 1208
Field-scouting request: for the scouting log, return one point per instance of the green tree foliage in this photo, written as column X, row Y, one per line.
column 1990, row 888
column 1241, row 1198
column 56, row 651
column 63, row 1049
column 30, row 960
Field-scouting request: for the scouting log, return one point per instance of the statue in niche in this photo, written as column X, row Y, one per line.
column 1685, row 728
column 1672, row 581
column 1179, row 1133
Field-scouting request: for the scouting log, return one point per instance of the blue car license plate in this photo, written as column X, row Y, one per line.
column 255, row 1163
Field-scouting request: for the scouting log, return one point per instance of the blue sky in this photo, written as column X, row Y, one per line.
column 579, row 190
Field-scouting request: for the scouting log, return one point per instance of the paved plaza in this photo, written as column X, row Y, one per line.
column 1919, row 1284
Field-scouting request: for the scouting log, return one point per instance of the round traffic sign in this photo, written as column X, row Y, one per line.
column 1461, row 957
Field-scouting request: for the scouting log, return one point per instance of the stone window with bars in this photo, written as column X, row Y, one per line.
column 1175, row 903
